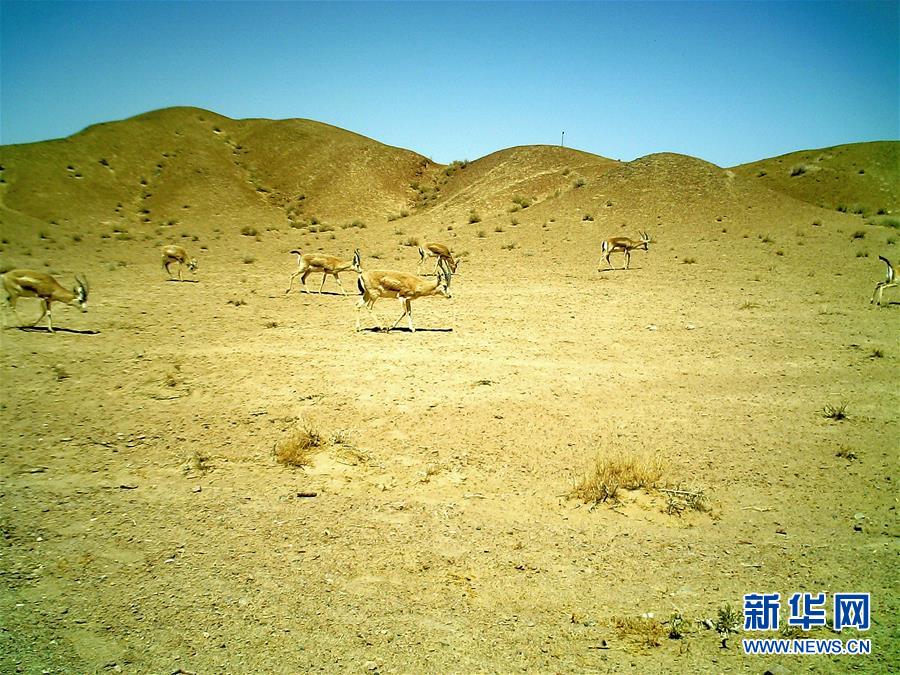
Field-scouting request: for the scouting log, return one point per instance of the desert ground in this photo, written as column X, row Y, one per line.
column 148, row 526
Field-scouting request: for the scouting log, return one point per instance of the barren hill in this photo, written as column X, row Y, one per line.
column 192, row 167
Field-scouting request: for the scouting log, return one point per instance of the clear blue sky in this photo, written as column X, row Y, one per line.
column 729, row 82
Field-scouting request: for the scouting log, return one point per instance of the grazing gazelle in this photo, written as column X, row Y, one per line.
column 889, row 281
column 439, row 252
column 31, row 284
column 308, row 263
column 405, row 287
column 624, row 244
column 173, row 254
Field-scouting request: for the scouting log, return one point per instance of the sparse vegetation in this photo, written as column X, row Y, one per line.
column 835, row 412
column 510, row 246
column 859, row 234
column 612, row 472
column 643, row 631
column 727, row 620
column 474, row 217
column 248, row 231
column 299, row 447
column 688, row 261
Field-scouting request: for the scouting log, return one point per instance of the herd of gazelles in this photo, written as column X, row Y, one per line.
column 374, row 284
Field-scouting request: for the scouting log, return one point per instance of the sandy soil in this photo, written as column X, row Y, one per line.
column 147, row 527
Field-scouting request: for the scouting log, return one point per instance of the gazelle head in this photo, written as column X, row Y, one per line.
column 193, row 264
column 81, row 293
column 357, row 261
column 645, row 241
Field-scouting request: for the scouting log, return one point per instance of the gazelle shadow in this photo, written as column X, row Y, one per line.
column 402, row 329
column 44, row 329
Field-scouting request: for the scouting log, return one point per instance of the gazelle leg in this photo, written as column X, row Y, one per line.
column 403, row 302
column 340, row 285
column 44, row 309
column 179, row 272
column 291, row 284
column 324, row 277
column 409, row 315
column 627, row 259
column 303, row 281
column 359, row 306
column 876, row 294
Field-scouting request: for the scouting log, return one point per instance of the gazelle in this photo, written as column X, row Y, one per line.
column 889, row 281
column 173, row 254
column 31, row 284
column 405, row 287
column 439, row 252
column 624, row 244
column 308, row 263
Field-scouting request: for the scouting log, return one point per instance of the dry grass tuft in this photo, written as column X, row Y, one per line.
column 612, row 473
column 298, row 448
column 643, row 631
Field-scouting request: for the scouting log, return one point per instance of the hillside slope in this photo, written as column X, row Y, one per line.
column 860, row 177
column 185, row 165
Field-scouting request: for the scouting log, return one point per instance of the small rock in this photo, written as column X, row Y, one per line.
column 370, row 665
column 652, row 326
column 196, row 488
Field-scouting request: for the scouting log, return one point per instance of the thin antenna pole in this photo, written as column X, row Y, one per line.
column 563, row 140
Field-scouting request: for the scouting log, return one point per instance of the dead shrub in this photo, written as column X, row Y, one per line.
column 609, row 473
column 643, row 631
column 298, row 448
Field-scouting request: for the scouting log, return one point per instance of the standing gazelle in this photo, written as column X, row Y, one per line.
column 307, row 263
column 438, row 251
column 31, row 284
column 624, row 244
column 405, row 287
column 889, row 281
column 173, row 254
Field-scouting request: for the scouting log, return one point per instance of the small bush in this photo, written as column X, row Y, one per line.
column 481, row 234
column 298, row 448
column 248, row 231
column 587, row 217
column 579, row 183
column 474, row 218
column 521, row 202
column 887, row 222
column 727, row 621
column 799, row 169
column 510, row 246
column 688, row 261
column 835, row 412
column 410, row 241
